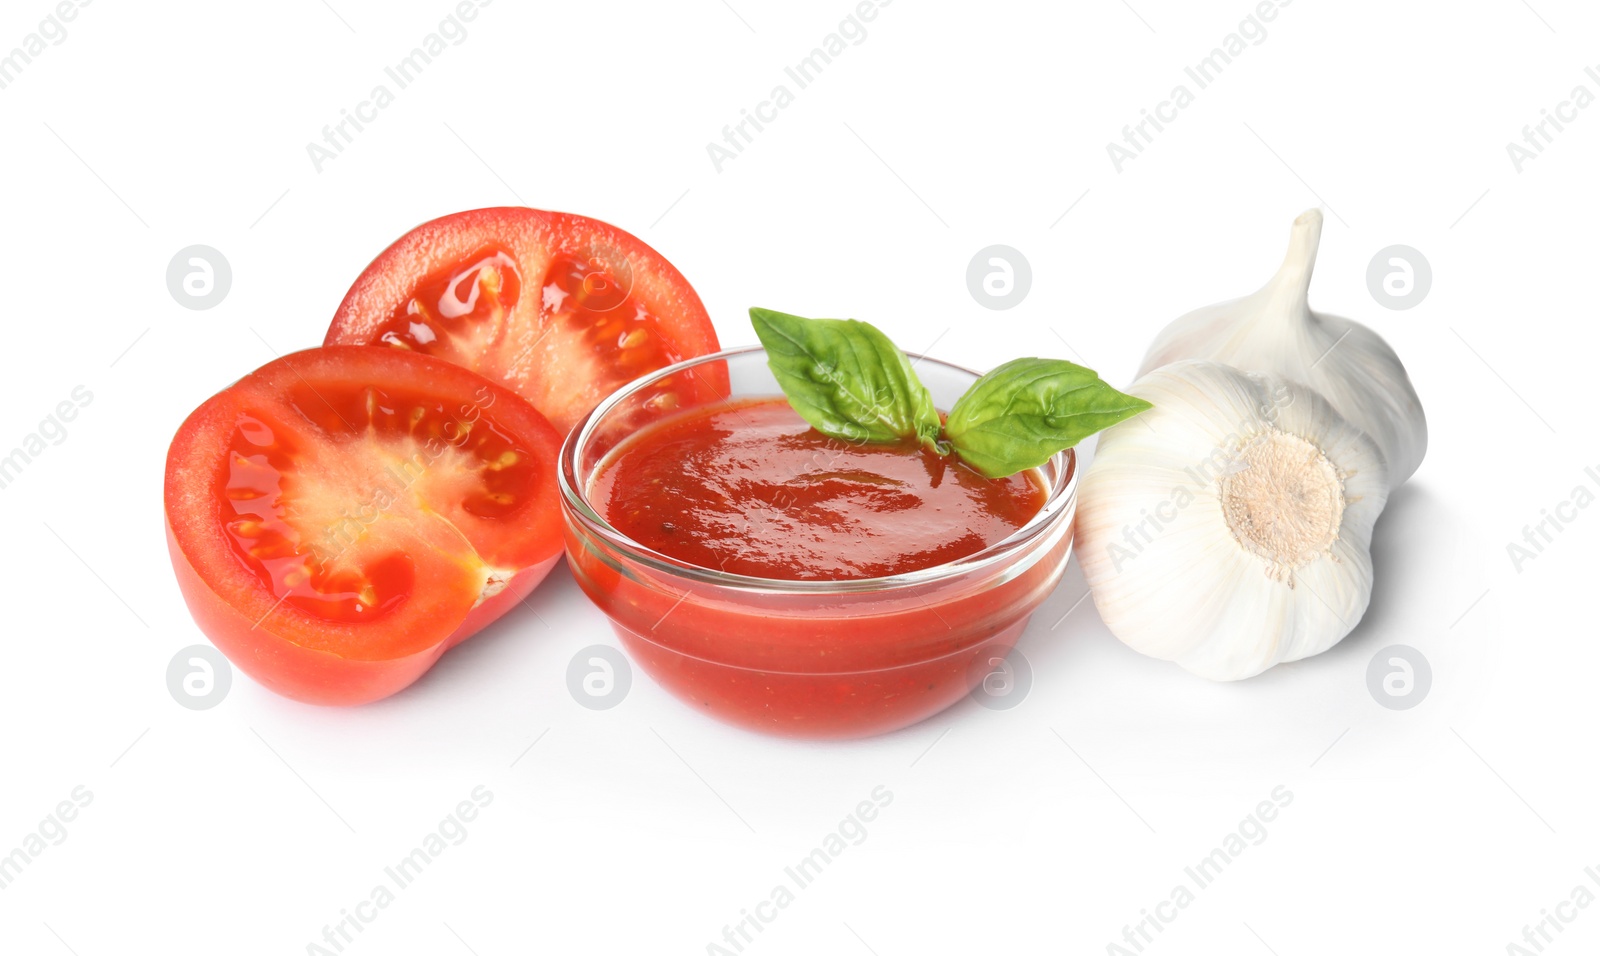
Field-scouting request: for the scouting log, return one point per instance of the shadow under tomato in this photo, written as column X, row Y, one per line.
column 465, row 663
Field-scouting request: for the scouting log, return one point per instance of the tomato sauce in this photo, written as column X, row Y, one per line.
column 749, row 488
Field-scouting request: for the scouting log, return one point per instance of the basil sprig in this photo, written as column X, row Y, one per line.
column 1019, row 415
column 848, row 381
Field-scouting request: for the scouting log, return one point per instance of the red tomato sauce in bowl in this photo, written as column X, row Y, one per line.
column 786, row 582
column 749, row 488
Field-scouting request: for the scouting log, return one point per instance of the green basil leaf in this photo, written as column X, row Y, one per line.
column 1023, row 412
column 847, row 379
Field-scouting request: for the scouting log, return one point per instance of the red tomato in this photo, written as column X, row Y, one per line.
column 341, row 517
column 561, row 309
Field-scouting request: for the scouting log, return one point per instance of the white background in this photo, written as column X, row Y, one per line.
column 1048, row 827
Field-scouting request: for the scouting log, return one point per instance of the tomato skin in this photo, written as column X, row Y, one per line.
column 490, row 609
column 319, row 677
column 294, row 653
column 299, row 673
column 561, row 386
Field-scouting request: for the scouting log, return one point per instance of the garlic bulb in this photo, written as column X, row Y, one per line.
column 1275, row 331
column 1228, row 528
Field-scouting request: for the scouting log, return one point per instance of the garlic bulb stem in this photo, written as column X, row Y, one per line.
column 1229, row 528
column 1274, row 331
column 1290, row 289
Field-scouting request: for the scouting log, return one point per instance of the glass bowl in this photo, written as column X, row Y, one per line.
column 818, row 659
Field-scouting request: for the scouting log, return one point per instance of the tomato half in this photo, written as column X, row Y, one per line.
column 562, row 309
column 342, row 516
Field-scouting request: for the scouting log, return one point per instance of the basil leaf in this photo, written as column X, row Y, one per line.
column 847, row 379
column 1022, row 413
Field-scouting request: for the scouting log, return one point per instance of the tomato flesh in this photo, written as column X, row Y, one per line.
column 561, row 309
column 460, row 312
column 359, row 503
column 305, row 506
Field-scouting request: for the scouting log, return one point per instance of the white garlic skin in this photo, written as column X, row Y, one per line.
column 1275, row 331
column 1170, row 576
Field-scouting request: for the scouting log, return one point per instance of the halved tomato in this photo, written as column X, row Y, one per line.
column 342, row 516
column 562, row 309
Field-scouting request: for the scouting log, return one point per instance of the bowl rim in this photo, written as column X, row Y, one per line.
column 1059, row 505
